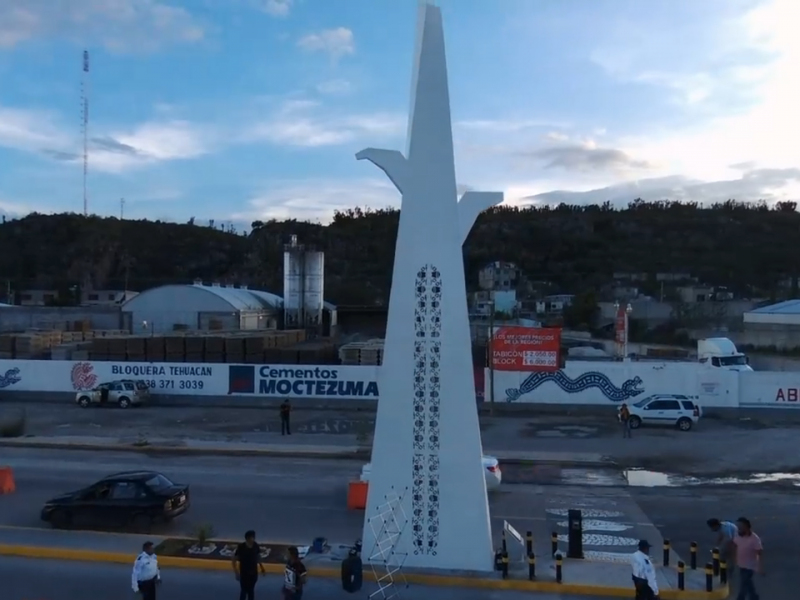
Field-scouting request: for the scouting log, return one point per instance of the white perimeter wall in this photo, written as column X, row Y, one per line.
column 581, row 382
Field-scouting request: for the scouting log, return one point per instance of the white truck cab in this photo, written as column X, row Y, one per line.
column 722, row 353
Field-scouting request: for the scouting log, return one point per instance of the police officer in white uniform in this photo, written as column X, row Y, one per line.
column 146, row 575
column 644, row 574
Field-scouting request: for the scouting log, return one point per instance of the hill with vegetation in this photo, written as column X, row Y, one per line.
column 747, row 247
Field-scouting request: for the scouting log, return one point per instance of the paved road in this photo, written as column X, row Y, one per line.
column 282, row 499
column 22, row 580
column 712, row 448
column 288, row 500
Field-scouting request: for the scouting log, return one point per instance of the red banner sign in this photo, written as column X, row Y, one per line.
column 525, row 349
column 620, row 326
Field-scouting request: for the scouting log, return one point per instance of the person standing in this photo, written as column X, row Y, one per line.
column 749, row 558
column 286, row 412
column 146, row 575
column 625, row 420
column 246, row 564
column 294, row 576
column 644, row 574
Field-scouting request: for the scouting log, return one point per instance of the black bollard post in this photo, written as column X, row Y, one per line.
column 559, row 565
column 681, row 575
column 529, row 542
column 575, row 535
column 553, row 544
column 715, row 561
column 505, row 545
column 709, row 577
column 666, row 553
column 531, row 566
column 693, row 556
column 505, row 565
column 723, row 572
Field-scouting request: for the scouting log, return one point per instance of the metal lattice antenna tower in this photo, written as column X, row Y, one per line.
column 85, row 128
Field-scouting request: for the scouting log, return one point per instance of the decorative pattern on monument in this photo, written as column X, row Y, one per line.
column 418, row 513
column 433, row 405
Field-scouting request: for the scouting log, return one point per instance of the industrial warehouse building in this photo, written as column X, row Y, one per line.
column 199, row 307
column 775, row 325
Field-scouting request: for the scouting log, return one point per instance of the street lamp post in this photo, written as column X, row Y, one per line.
column 491, row 357
column 628, row 311
column 624, row 341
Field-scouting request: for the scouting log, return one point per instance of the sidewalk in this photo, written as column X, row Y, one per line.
column 294, row 450
column 580, row 577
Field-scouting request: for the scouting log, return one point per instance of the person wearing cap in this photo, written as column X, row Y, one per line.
column 146, row 574
column 644, row 574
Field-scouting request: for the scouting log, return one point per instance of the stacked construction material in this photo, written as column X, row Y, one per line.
column 234, row 349
column 136, row 348
column 362, row 353
column 316, row 352
column 214, row 349
column 154, row 349
column 35, row 344
column 117, row 349
column 195, row 346
column 253, row 347
column 7, row 345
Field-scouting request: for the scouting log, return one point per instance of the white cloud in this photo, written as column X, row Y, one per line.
column 506, row 126
column 40, row 132
column 307, row 123
column 316, row 200
column 771, row 185
column 29, row 129
column 277, row 8
column 119, row 25
column 336, row 43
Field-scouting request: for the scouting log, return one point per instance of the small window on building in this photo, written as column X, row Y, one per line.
column 93, row 297
column 112, row 297
column 49, row 297
column 27, row 297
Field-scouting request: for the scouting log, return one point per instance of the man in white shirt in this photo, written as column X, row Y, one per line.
column 644, row 573
column 146, row 575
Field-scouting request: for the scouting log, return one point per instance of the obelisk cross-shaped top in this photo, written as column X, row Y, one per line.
column 430, row 133
column 429, row 109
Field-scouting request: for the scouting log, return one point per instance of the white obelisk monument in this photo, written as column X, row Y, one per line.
column 427, row 436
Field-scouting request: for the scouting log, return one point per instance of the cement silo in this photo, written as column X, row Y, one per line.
column 303, row 287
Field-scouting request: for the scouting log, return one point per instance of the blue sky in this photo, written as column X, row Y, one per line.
column 253, row 109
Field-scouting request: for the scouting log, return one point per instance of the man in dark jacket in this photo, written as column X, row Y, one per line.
column 286, row 411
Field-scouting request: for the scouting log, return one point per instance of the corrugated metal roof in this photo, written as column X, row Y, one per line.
column 243, row 299
column 787, row 307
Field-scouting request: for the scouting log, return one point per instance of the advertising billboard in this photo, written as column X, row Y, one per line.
column 525, row 348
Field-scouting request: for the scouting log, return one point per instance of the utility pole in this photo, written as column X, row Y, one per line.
column 121, row 208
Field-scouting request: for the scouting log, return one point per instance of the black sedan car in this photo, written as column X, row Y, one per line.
column 135, row 499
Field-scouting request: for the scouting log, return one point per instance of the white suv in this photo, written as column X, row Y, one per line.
column 674, row 410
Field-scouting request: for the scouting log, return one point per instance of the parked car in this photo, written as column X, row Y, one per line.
column 673, row 410
column 123, row 393
column 135, row 499
column 491, row 470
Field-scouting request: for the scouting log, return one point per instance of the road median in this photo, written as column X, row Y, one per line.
column 308, row 451
column 446, row 579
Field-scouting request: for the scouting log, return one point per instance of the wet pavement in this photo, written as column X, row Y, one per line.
column 612, row 477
